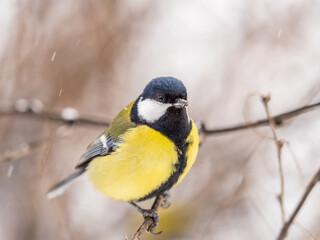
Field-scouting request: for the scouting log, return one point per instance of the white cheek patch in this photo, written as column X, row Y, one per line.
column 151, row 110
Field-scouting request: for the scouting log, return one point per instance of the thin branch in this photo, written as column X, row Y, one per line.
column 296, row 162
column 304, row 230
column 148, row 220
column 246, row 109
column 95, row 121
column 310, row 186
column 278, row 120
column 279, row 145
column 22, row 150
column 125, row 236
column 53, row 116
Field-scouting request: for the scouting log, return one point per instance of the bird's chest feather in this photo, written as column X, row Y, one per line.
column 143, row 161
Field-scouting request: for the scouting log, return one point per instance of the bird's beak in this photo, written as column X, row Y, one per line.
column 180, row 103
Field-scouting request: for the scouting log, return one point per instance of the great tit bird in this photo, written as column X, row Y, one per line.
column 149, row 147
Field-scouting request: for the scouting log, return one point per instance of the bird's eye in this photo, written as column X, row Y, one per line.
column 160, row 98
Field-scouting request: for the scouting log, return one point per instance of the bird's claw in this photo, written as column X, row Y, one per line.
column 150, row 213
column 166, row 200
column 155, row 234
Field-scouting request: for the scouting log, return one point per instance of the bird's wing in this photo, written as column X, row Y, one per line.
column 107, row 142
column 102, row 146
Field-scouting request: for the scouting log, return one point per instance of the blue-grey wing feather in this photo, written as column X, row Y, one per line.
column 102, row 146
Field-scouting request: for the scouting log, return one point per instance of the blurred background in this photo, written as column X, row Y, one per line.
column 97, row 56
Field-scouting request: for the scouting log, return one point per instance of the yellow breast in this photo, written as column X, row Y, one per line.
column 143, row 161
column 192, row 150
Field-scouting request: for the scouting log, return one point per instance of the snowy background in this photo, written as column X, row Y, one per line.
column 97, row 56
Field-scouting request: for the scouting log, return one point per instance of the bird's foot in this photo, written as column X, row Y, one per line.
column 166, row 200
column 150, row 213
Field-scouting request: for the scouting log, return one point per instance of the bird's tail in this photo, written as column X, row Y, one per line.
column 65, row 184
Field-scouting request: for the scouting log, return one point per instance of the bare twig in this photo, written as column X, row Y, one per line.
column 310, row 186
column 22, row 150
column 278, row 120
column 53, row 116
column 296, row 162
column 304, row 230
column 125, row 236
column 279, row 145
column 246, row 109
column 149, row 220
column 48, row 146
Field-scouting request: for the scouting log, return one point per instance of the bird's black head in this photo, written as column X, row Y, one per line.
column 163, row 106
column 165, row 90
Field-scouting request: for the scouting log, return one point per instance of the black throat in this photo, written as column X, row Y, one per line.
column 174, row 124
